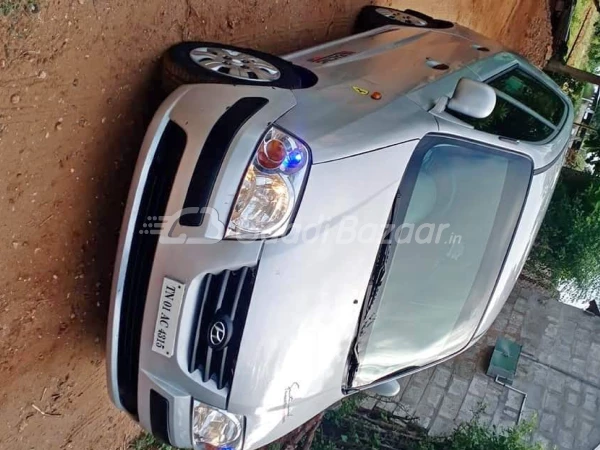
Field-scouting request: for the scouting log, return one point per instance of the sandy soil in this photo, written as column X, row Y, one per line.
column 75, row 78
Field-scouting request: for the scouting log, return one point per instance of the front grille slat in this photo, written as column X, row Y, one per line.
column 221, row 376
column 238, row 292
column 207, row 364
column 203, row 301
column 222, row 292
column 153, row 203
column 222, row 296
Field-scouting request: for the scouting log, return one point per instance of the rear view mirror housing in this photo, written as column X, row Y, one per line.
column 388, row 389
column 473, row 98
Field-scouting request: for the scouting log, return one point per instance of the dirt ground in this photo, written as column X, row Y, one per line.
column 75, row 78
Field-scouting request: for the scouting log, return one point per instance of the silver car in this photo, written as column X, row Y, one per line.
column 299, row 229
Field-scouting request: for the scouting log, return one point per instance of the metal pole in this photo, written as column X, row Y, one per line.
column 524, row 394
column 583, row 125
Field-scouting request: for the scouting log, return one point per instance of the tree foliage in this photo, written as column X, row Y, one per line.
column 573, row 88
column 592, row 147
column 568, row 244
column 594, row 49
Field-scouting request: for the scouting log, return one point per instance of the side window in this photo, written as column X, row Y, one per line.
column 510, row 121
column 526, row 109
column 530, row 92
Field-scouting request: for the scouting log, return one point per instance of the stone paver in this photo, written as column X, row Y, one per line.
column 412, row 395
column 565, row 439
column 552, row 402
column 458, row 387
column 584, row 432
column 547, row 422
column 470, row 406
column 573, row 398
column 541, row 439
column 491, row 401
column 559, row 369
column 569, row 419
column 535, row 395
column 556, row 381
column 590, row 401
column 425, row 413
column 433, row 396
column 450, row 407
column 368, row 402
column 478, row 385
column 441, row 376
column 514, row 400
column 441, row 426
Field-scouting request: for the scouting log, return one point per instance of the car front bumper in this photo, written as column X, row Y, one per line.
column 157, row 390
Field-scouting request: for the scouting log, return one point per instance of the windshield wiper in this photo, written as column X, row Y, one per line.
column 377, row 279
column 353, row 364
column 368, row 313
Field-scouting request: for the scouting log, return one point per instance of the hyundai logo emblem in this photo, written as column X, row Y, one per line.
column 219, row 333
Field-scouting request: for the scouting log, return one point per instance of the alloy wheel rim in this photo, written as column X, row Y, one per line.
column 402, row 17
column 235, row 64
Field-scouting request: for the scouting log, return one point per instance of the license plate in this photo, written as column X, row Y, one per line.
column 167, row 317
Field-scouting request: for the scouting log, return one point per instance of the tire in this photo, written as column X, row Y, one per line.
column 371, row 17
column 434, row 23
column 179, row 67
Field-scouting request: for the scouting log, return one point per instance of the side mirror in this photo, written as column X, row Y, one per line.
column 473, row 98
column 388, row 389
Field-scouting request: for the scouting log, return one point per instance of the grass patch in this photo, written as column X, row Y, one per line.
column 12, row 7
column 588, row 90
column 146, row 441
column 581, row 33
column 579, row 13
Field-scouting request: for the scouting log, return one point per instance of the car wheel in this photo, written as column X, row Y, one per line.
column 371, row 17
column 205, row 62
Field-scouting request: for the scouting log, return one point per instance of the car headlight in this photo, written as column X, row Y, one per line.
column 215, row 428
column 270, row 190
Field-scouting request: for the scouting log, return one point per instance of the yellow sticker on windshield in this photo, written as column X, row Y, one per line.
column 360, row 90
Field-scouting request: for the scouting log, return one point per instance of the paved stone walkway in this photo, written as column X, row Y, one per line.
column 559, row 369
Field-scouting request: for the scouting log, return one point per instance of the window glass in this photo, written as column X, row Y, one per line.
column 443, row 263
column 533, row 94
column 510, row 120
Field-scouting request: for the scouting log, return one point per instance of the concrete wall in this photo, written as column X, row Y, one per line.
column 559, row 369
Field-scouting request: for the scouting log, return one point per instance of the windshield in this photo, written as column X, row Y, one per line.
column 456, row 213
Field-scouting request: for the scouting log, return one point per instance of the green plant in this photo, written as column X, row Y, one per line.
column 582, row 32
column 8, row 7
column 475, row 436
column 592, row 144
column 573, row 88
column 351, row 427
column 146, row 441
column 594, row 49
column 338, row 426
column 568, row 243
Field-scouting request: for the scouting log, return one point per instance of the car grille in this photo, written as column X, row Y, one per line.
column 155, row 196
column 213, row 154
column 224, row 295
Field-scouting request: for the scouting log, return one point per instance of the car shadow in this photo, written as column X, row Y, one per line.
column 115, row 169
